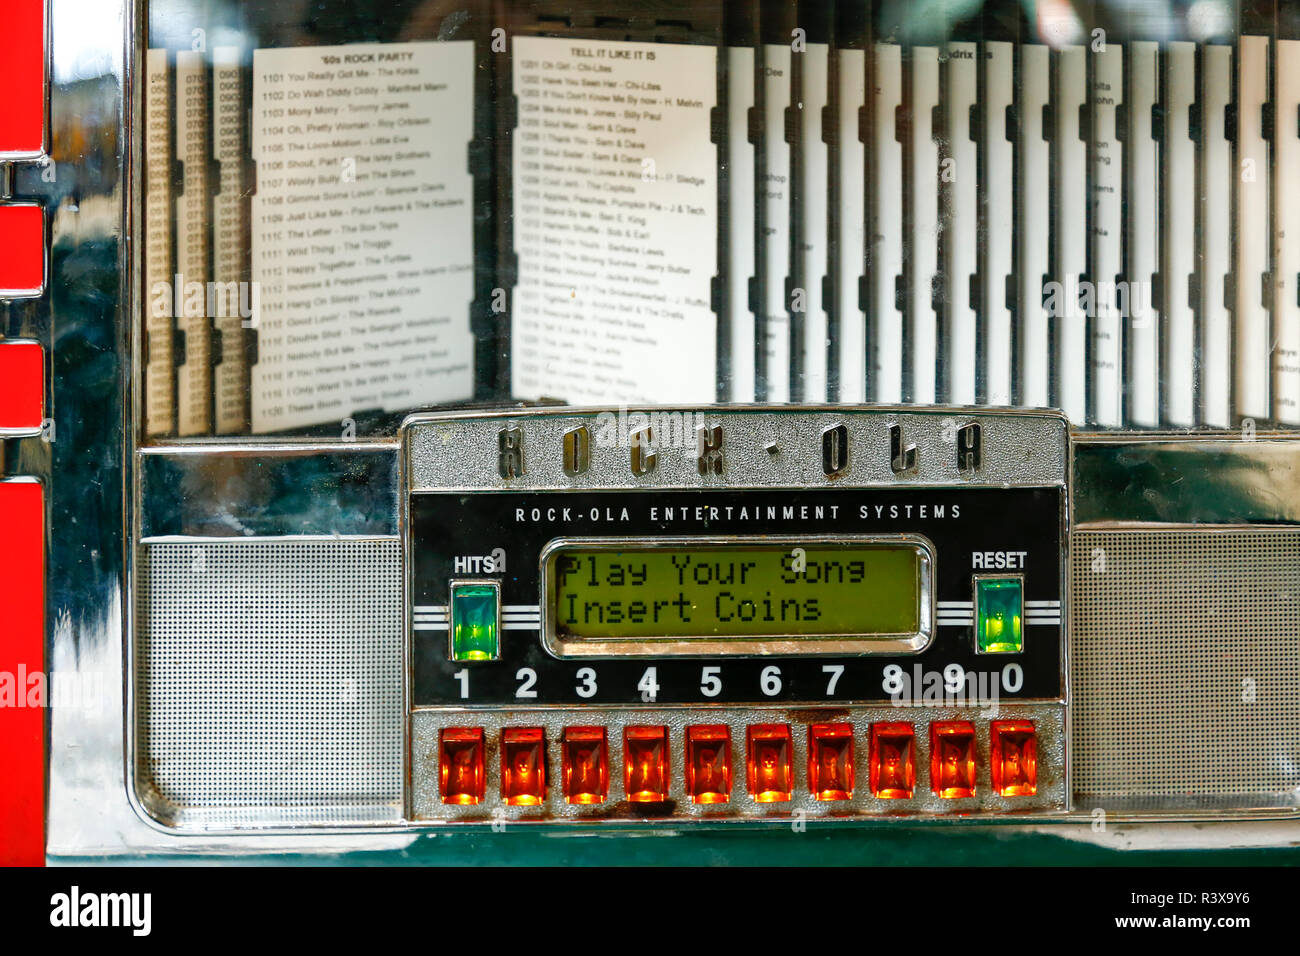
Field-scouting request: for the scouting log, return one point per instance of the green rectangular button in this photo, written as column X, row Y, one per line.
column 999, row 615
column 475, row 622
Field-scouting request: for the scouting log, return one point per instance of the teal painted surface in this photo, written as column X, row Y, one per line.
column 902, row 846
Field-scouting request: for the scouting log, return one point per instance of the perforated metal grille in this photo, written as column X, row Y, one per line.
column 268, row 682
column 1186, row 667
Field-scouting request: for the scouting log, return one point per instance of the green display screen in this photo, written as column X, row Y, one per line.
column 740, row 590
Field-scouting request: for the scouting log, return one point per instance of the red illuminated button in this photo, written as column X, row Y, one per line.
column 523, row 766
column 22, row 387
column 586, row 765
column 1013, row 751
column 645, row 764
column 769, row 769
column 830, row 761
column 22, row 658
column 460, row 765
column 708, row 763
column 22, row 249
column 22, row 78
column 892, row 759
column 952, row 758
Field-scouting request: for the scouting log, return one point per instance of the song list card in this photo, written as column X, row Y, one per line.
column 615, row 221
column 362, row 229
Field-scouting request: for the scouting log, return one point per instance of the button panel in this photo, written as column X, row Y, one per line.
column 634, row 732
column 922, row 766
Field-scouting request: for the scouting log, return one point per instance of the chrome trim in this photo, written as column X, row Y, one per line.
column 1208, row 479
column 451, row 451
column 269, row 491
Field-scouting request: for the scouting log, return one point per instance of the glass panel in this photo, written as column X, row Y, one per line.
column 352, row 210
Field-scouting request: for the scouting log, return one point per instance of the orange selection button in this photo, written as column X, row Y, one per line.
column 1013, row 752
column 460, row 765
column 708, row 763
column 586, row 765
column 830, row 761
column 892, row 760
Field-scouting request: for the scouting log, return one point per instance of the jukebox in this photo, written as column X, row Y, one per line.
column 439, row 416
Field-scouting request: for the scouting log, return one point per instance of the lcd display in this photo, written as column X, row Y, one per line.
column 692, row 589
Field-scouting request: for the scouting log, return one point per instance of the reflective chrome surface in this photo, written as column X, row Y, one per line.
column 1212, row 479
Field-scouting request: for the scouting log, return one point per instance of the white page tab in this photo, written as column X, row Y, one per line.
column 924, row 240
column 1215, row 255
column 961, row 256
column 1033, row 222
column 1286, row 190
column 776, row 200
column 1107, row 236
column 740, row 212
column 1070, row 207
column 815, row 210
column 999, row 212
column 1179, row 229
column 851, row 227
column 1143, row 237
column 887, row 240
column 1251, row 318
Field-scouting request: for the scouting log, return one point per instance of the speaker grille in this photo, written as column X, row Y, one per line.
column 1185, row 667
column 268, row 682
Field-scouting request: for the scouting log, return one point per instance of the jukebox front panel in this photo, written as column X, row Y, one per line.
column 892, row 579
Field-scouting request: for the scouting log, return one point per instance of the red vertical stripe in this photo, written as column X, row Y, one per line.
column 22, row 386
column 23, row 692
column 22, row 78
column 22, row 247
